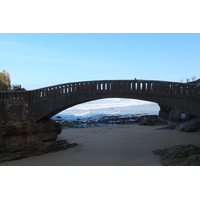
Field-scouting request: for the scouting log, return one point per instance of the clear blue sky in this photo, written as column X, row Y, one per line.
column 40, row 60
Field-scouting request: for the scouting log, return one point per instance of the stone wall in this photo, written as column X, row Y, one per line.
column 14, row 110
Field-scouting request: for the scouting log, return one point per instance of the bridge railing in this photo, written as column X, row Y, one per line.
column 14, row 95
column 129, row 85
column 136, row 86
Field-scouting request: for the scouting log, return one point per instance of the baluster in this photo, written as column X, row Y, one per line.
column 97, row 86
column 70, row 88
column 18, row 95
column 93, row 88
column 63, row 89
column 177, row 89
column 148, row 86
column 184, row 89
column 59, row 90
column 190, row 90
column 88, row 86
column 110, row 85
column 79, row 88
column 143, row 86
column 106, row 86
column 103, row 86
column 196, row 91
column 131, row 86
column 54, row 91
column 181, row 89
column 125, row 86
column 48, row 92
column 171, row 88
column 155, row 86
column 140, row 86
column 135, row 85
column 158, row 85
column 120, row 85
column 84, row 86
column 40, row 94
column 165, row 88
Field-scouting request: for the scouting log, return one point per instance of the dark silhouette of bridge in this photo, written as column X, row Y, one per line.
column 42, row 104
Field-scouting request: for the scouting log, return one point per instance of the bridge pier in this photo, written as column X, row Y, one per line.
column 164, row 112
column 173, row 114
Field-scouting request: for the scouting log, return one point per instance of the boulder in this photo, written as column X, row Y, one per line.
column 189, row 126
column 180, row 155
column 152, row 120
column 22, row 139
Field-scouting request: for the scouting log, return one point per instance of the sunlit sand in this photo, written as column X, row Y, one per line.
column 123, row 145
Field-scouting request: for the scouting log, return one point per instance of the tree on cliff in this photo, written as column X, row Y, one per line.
column 4, row 81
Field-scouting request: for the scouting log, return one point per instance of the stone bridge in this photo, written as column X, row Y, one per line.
column 42, row 104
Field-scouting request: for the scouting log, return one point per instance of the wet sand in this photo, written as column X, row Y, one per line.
column 124, row 145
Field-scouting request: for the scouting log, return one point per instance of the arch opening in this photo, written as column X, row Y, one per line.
column 110, row 106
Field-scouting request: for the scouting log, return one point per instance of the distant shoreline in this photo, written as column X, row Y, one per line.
column 100, row 120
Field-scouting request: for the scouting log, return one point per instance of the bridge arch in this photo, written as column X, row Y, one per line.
column 111, row 106
column 46, row 102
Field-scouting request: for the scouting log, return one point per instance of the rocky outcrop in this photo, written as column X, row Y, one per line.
column 20, row 133
column 189, row 126
column 23, row 139
column 180, row 155
column 152, row 120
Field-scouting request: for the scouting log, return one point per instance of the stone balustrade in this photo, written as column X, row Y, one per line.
column 136, row 86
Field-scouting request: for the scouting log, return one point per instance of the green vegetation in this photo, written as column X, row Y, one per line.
column 4, row 81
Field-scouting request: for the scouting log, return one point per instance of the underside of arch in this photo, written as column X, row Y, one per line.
column 48, row 107
column 51, row 108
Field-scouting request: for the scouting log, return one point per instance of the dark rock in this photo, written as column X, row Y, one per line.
column 193, row 160
column 189, row 126
column 24, row 139
column 102, row 121
column 34, row 149
column 180, row 155
column 147, row 121
column 152, row 120
column 72, row 145
column 58, row 128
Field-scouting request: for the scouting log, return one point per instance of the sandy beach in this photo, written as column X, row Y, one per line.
column 123, row 145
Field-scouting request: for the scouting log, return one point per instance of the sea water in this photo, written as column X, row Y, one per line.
column 108, row 107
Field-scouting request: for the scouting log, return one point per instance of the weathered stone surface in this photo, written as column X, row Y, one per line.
column 33, row 149
column 23, row 139
column 189, row 126
column 20, row 133
column 152, row 120
column 180, row 155
column 164, row 112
